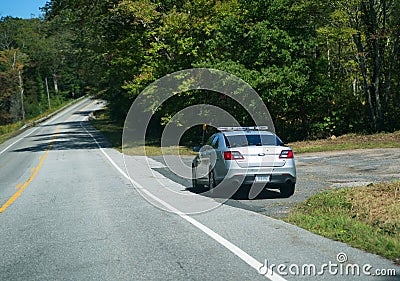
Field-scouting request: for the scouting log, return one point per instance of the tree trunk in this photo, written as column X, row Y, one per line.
column 388, row 80
column 374, row 40
column 364, row 72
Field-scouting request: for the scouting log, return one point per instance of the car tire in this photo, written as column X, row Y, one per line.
column 195, row 185
column 287, row 189
column 211, row 180
column 195, row 182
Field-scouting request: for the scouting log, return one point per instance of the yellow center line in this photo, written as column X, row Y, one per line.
column 88, row 105
column 35, row 172
column 81, row 110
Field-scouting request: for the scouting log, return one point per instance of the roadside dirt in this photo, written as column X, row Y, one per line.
column 350, row 141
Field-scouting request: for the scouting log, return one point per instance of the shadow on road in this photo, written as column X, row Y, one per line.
column 241, row 194
column 72, row 135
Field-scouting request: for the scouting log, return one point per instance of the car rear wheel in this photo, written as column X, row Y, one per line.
column 211, row 180
column 195, row 182
column 287, row 189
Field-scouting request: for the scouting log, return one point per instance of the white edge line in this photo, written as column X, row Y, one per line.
column 18, row 140
column 221, row 240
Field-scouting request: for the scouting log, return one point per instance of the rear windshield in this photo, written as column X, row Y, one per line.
column 251, row 140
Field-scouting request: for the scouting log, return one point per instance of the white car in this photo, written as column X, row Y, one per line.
column 245, row 156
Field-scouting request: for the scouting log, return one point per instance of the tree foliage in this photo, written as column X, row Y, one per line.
column 322, row 68
column 30, row 53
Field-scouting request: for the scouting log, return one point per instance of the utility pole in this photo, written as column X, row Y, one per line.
column 48, row 94
column 20, row 86
column 21, row 90
column 55, row 83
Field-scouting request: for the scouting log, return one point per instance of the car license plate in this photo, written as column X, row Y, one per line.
column 262, row 178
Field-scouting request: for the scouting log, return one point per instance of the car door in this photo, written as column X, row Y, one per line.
column 205, row 159
column 217, row 159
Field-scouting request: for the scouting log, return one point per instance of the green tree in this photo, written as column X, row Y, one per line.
column 322, row 67
column 361, row 43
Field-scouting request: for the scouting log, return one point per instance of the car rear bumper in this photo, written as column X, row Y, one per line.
column 274, row 176
column 273, row 180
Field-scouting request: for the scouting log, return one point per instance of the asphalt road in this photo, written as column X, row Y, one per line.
column 69, row 211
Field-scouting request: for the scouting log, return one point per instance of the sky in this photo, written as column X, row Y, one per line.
column 21, row 8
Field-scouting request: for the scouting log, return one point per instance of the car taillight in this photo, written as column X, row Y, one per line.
column 286, row 154
column 233, row 155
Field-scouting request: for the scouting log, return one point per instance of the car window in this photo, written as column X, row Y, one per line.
column 251, row 140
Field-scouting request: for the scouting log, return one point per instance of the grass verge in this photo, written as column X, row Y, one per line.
column 366, row 217
column 110, row 129
column 349, row 141
column 9, row 131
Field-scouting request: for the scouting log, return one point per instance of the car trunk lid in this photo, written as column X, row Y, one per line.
column 254, row 156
